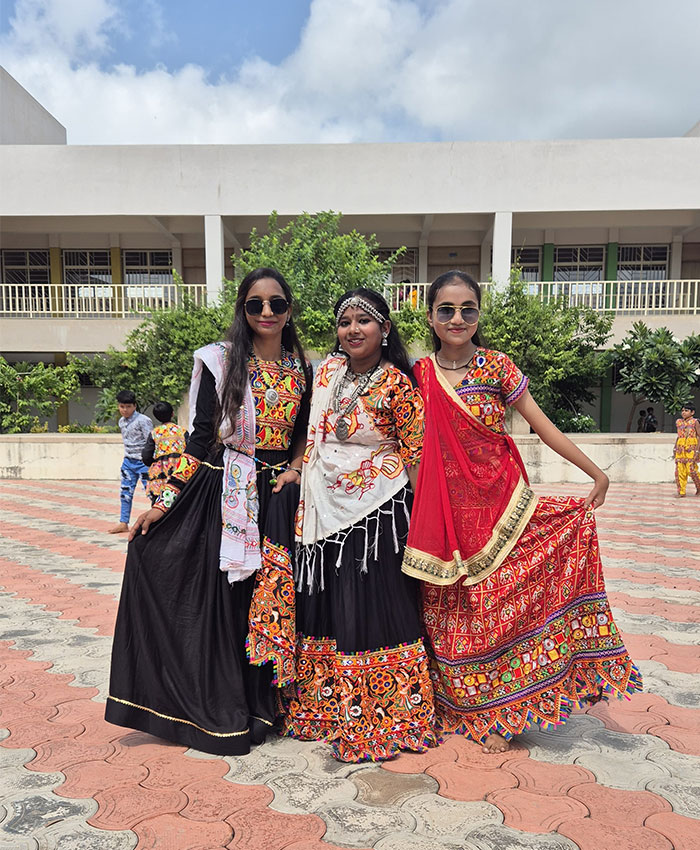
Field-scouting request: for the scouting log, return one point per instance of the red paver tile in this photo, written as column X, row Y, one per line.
column 674, row 612
column 123, row 808
column 169, row 768
column 86, row 778
column 39, row 731
column 465, row 782
column 680, row 740
column 591, row 835
column 471, row 753
column 56, row 514
column 613, row 807
column 535, row 812
column 540, row 777
column 254, row 829
column 420, row 762
column 59, row 754
column 177, row 833
column 683, row 833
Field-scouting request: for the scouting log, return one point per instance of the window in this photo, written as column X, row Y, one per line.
column 148, row 267
column 642, row 262
column 89, row 271
column 579, row 263
column 529, row 260
column 406, row 269
column 25, row 278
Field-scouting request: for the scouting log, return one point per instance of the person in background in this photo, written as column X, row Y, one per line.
column 686, row 452
column 163, row 448
column 642, row 421
column 136, row 429
column 650, row 423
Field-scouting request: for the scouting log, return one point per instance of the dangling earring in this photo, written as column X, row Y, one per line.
column 384, row 339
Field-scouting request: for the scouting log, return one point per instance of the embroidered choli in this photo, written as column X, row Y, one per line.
column 491, row 384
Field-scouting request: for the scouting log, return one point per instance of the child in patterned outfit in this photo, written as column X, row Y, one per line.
column 163, row 448
column 686, row 452
column 136, row 429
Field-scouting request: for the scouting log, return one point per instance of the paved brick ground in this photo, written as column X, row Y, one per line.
column 623, row 776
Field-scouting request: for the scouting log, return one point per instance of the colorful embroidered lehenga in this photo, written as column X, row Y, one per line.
column 161, row 455
column 179, row 666
column 519, row 626
column 361, row 670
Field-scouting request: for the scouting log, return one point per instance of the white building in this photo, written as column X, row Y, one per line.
column 90, row 234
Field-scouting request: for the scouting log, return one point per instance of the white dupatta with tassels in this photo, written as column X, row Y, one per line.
column 239, row 554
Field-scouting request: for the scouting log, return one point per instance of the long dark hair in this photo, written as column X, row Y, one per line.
column 240, row 335
column 454, row 276
column 394, row 351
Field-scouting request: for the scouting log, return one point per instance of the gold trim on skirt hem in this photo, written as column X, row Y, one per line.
column 511, row 524
column 178, row 719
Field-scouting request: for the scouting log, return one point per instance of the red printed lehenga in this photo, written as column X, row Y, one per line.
column 514, row 604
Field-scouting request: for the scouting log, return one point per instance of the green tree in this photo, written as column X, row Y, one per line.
column 28, row 389
column 653, row 365
column 156, row 362
column 557, row 346
column 319, row 263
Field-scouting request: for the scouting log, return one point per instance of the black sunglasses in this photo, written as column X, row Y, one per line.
column 443, row 313
column 278, row 305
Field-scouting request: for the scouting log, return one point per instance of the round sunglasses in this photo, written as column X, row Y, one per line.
column 443, row 313
column 278, row 305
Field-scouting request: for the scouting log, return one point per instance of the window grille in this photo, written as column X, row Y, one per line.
column 573, row 263
column 529, row 260
column 26, row 275
column 643, row 262
column 406, row 269
column 148, row 267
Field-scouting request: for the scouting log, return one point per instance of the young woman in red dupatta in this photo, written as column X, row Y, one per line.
column 519, row 625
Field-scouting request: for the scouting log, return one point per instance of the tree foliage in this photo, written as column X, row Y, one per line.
column 32, row 392
column 557, row 346
column 320, row 263
column 653, row 365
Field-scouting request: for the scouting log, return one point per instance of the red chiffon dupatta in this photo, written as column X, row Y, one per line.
column 472, row 501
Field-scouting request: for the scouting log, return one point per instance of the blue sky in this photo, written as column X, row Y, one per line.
column 271, row 71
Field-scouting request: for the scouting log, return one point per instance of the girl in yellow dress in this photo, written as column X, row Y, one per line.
column 686, row 452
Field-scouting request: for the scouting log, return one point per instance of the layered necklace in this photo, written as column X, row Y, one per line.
column 364, row 380
column 272, row 395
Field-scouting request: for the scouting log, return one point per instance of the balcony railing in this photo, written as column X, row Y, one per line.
column 94, row 301
column 624, row 297
column 111, row 301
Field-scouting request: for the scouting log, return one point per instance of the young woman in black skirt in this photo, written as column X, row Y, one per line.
column 361, row 679
column 179, row 667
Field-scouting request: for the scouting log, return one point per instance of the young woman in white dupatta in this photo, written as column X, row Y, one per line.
column 179, row 666
column 362, row 678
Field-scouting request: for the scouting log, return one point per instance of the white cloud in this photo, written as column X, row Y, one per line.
column 368, row 70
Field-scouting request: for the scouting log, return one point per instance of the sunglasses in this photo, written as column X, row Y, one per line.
column 443, row 313
column 278, row 305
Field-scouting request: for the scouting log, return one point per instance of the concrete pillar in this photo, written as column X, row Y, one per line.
column 502, row 246
column 422, row 261
column 213, row 256
column 177, row 257
column 676, row 257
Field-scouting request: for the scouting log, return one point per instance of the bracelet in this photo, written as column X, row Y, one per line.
column 294, row 469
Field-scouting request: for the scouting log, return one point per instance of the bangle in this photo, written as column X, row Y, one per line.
column 294, row 469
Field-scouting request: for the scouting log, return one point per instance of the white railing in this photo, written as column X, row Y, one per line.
column 93, row 301
column 626, row 297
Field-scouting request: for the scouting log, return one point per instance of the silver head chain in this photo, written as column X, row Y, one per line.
column 361, row 303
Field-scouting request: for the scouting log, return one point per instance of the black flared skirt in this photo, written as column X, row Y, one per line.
column 179, row 668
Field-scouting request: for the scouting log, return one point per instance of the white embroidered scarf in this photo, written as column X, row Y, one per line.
column 239, row 554
column 343, row 481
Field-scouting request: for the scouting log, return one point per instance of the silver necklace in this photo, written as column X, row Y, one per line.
column 342, row 425
column 272, row 395
column 454, row 367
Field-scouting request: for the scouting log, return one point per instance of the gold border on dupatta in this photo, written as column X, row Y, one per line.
column 506, row 531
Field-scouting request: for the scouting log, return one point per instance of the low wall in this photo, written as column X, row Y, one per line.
column 634, row 458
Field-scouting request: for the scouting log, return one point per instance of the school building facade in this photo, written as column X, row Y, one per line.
column 89, row 235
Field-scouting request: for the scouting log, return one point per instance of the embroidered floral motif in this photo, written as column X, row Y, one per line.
column 370, row 704
column 271, row 618
column 186, row 467
column 274, row 424
column 491, row 383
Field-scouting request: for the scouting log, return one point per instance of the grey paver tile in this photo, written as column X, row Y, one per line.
column 377, row 787
column 299, row 793
column 355, row 825
column 444, row 819
column 407, row 841
column 504, row 838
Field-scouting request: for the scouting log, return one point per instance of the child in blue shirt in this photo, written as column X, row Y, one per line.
column 136, row 429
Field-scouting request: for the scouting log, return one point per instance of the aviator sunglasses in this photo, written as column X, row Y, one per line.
column 278, row 305
column 443, row 313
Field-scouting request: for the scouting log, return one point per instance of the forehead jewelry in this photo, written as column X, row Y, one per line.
column 362, row 304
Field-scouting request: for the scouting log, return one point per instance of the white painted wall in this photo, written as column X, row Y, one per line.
column 625, row 458
column 23, row 120
column 458, row 177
